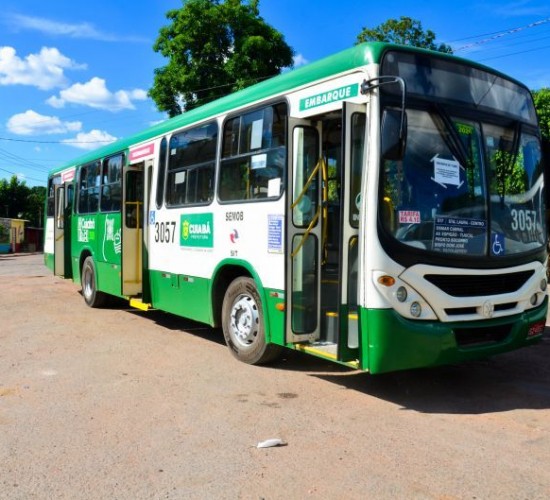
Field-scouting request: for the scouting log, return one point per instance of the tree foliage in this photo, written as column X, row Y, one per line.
column 404, row 31
column 214, row 47
column 510, row 176
column 18, row 201
column 542, row 105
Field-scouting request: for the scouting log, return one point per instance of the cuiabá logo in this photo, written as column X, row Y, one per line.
column 197, row 230
column 184, row 229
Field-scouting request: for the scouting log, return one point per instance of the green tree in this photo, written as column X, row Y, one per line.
column 542, row 105
column 34, row 209
column 13, row 197
column 404, row 31
column 18, row 201
column 510, row 176
column 213, row 48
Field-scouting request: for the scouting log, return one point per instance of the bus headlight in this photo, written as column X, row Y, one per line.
column 534, row 299
column 416, row 310
column 401, row 294
column 543, row 285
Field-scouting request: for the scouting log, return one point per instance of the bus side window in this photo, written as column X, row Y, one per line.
column 110, row 183
column 134, row 200
column 192, row 157
column 234, row 179
column 161, row 172
column 70, row 196
column 88, row 188
column 254, row 155
column 52, row 182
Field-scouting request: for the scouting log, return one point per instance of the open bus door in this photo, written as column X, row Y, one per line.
column 62, row 229
column 132, row 229
column 353, row 167
column 304, row 233
column 324, row 186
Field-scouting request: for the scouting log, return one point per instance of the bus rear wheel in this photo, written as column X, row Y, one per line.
column 92, row 296
column 243, row 324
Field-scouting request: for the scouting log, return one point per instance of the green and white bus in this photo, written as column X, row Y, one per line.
column 382, row 208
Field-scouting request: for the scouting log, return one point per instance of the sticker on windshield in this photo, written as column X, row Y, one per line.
column 459, row 235
column 409, row 217
column 497, row 244
column 446, row 172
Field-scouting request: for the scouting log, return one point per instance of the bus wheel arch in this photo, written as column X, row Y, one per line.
column 243, row 323
column 83, row 256
column 88, row 279
column 223, row 278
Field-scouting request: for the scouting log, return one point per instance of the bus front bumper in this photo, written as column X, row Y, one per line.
column 395, row 343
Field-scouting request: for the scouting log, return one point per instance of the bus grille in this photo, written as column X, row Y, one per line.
column 460, row 311
column 474, row 285
column 471, row 337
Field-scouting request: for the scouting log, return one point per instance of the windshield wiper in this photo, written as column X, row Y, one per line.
column 510, row 160
column 451, row 136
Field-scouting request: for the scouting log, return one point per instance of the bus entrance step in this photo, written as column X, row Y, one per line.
column 137, row 303
column 331, row 328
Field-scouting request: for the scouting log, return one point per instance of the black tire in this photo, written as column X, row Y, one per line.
column 243, row 324
column 91, row 295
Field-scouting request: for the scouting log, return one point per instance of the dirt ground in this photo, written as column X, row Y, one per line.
column 120, row 404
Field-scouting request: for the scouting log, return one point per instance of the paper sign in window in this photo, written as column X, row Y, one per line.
column 274, row 187
column 257, row 131
column 259, row 161
column 180, row 177
column 447, row 172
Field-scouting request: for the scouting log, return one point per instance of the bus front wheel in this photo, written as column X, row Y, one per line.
column 243, row 324
column 91, row 295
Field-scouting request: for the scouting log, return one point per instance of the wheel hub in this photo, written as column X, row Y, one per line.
column 87, row 288
column 244, row 320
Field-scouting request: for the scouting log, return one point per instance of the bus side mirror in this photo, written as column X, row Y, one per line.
column 393, row 134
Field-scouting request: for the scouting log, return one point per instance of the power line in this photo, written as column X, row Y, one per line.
column 26, row 177
column 515, row 53
column 500, row 34
column 21, row 161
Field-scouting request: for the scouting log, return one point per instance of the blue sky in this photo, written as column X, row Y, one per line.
column 73, row 72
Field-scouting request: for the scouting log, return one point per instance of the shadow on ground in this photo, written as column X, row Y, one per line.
column 517, row 380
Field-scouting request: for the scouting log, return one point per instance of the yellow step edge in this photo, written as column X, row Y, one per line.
column 326, row 355
column 317, row 352
column 353, row 316
column 138, row 304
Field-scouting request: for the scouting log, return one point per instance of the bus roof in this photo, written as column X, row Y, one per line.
column 356, row 56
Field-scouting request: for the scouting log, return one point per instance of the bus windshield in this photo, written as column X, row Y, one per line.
column 466, row 187
column 469, row 184
column 450, row 82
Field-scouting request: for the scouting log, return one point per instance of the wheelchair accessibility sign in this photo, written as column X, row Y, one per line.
column 497, row 244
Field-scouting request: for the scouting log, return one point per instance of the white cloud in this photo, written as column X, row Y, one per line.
column 156, row 122
column 300, row 60
column 72, row 30
column 33, row 123
column 138, row 94
column 90, row 140
column 44, row 70
column 56, row 102
column 95, row 94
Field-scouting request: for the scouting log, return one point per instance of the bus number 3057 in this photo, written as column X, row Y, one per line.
column 164, row 232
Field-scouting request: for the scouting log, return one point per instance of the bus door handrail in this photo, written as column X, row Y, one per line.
column 321, row 165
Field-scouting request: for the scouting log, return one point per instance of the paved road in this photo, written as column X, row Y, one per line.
column 114, row 403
